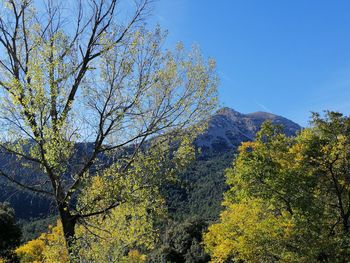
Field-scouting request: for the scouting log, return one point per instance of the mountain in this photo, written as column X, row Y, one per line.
column 201, row 186
column 228, row 128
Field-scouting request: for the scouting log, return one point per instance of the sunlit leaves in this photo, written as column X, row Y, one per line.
column 48, row 247
column 289, row 197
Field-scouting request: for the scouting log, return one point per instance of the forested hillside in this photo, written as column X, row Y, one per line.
column 201, row 186
column 197, row 192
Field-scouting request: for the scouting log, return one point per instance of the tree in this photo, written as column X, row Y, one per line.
column 132, row 226
column 289, row 197
column 92, row 75
column 181, row 242
column 48, row 247
column 117, row 236
column 10, row 234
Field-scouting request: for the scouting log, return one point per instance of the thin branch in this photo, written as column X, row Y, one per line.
column 25, row 186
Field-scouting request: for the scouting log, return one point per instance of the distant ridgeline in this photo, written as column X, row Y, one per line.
column 200, row 188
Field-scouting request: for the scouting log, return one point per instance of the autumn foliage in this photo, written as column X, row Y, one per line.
column 48, row 247
column 289, row 197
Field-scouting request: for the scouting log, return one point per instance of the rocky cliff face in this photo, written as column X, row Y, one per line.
column 228, row 128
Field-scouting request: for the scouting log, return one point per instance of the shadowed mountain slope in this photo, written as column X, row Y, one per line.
column 201, row 186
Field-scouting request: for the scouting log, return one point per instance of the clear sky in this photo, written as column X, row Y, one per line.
column 286, row 57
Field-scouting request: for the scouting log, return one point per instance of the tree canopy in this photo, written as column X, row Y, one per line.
column 10, row 234
column 93, row 74
column 181, row 242
column 289, row 197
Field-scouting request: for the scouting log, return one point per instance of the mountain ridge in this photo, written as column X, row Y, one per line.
column 228, row 128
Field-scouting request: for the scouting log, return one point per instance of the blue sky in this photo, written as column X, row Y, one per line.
column 285, row 57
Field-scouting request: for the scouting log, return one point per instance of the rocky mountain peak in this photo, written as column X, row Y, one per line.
column 228, row 112
column 228, row 128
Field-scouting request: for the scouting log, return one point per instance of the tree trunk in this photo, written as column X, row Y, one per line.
column 68, row 224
